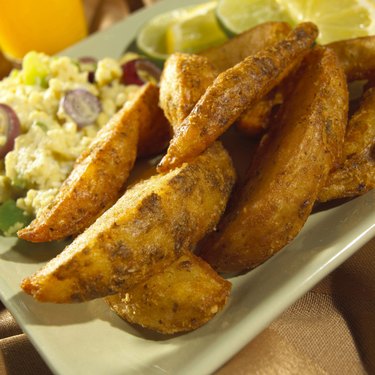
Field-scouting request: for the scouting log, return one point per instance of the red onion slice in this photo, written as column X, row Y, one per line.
column 82, row 106
column 10, row 127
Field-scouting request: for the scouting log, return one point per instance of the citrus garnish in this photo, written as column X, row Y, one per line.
column 336, row 19
column 237, row 16
column 189, row 29
column 195, row 32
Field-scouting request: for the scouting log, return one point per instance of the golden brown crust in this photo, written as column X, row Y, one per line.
column 356, row 175
column 357, row 57
column 288, row 169
column 255, row 120
column 98, row 176
column 183, row 297
column 184, row 80
column 146, row 230
column 235, row 90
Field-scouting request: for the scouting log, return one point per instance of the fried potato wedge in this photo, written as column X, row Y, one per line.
column 255, row 120
column 288, row 170
column 248, row 43
column 357, row 57
column 146, row 230
column 356, row 175
column 235, row 90
column 184, row 80
column 99, row 174
column 186, row 295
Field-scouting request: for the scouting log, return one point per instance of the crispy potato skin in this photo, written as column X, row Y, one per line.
column 147, row 229
column 180, row 85
column 246, row 44
column 255, row 120
column 235, row 90
column 183, row 297
column 98, row 176
column 356, row 175
column 357, row 57
column 184, row 79
column 288, row 169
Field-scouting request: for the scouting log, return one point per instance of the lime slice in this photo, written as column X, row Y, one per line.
column 199, row 31
column 336, row 19
column 237, row 16
column 186, row 29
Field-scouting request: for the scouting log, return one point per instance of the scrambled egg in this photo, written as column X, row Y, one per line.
column 50, row 141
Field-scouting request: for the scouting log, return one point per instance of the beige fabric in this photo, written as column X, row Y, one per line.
column 331, row 330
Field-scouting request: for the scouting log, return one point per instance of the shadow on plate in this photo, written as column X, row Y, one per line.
column 27, row 252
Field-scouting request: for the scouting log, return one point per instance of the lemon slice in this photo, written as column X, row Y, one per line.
column 188, row 29
column 199, row 31
column 336, row 19
column 236, row 16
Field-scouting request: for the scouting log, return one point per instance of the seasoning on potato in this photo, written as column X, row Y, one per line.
column 186, row 295
column 99, row 174
column 288, row 170
column 146, row 230
column 233, row 91
column 356, row 174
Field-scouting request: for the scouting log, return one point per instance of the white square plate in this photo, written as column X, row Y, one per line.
column 88, row 338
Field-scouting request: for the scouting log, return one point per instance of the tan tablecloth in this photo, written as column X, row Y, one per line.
column 331, row 330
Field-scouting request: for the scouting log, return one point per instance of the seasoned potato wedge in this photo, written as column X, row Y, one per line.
column 186, row 295
column 287, row 171
column 147, row 229
column 235, row 90
column 98, row 176
column 246, row 44
column 356, row 175
column 184, row 80
column 255, row 120
column 357, row 57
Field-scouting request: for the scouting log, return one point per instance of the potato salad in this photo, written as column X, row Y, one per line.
column 50, row 110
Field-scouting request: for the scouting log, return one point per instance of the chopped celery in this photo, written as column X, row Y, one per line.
column 42, row 125
column 35, row 70
column 12, row 218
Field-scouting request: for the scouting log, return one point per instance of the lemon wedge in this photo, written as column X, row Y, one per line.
column 336, row 19
column 190, row 29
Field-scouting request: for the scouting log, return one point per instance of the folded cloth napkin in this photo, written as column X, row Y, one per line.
column 330, row 330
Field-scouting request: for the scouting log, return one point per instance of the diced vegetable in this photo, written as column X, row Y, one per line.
column 10, row 128
column 12, row 218
column 34, row 70
column 139, row 71
column 82, row 106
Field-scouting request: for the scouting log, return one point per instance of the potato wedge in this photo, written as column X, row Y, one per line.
column 287, row 171
column 255, row 120
column 246, row 44
column 148, row 228
column 356, row 175
column 235, row 90
column 184, row 80
column 186, row 295
column 98, row 175
column 357, row 57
